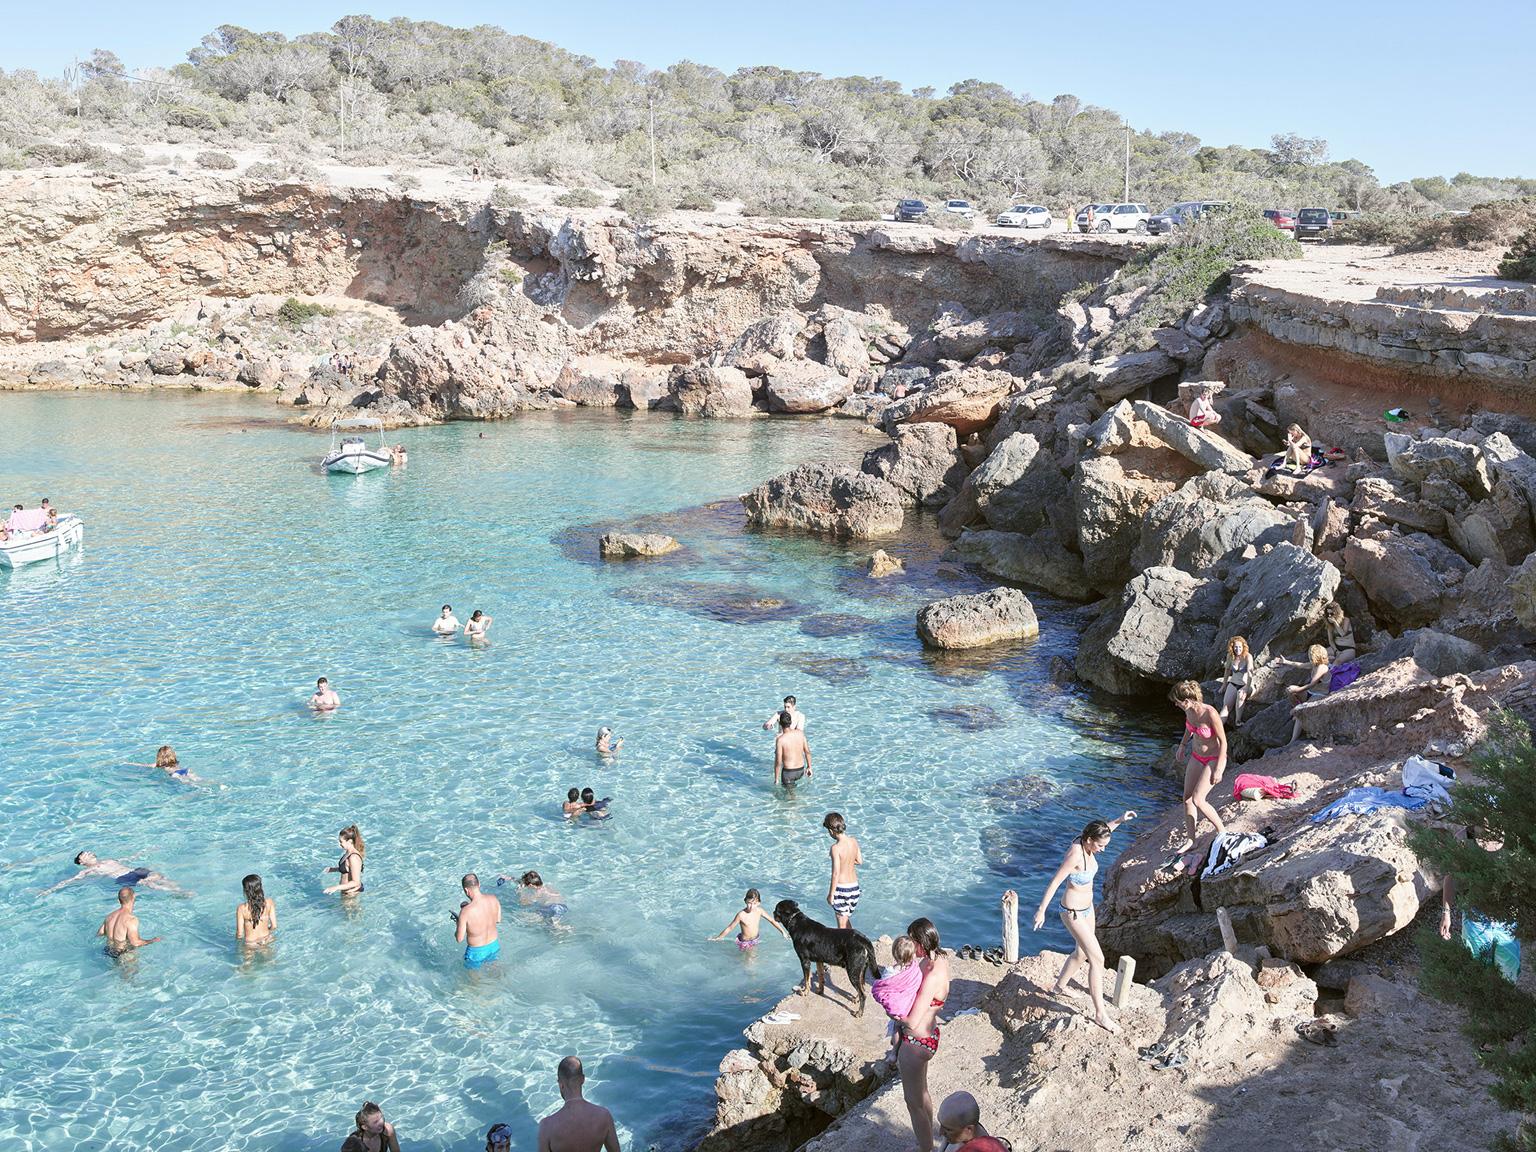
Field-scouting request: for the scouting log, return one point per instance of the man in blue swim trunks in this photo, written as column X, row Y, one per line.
column 477, row 918
column 120, row 874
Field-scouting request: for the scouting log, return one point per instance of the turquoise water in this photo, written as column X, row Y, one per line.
column 222, row 573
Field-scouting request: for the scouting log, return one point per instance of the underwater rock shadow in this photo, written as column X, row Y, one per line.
column 825, row 624
column 968, row 717
column 693, row 528
column 729, row 604
column 832, row 669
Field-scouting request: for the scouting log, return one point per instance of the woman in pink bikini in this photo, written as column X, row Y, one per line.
column 1207, row 741
column 920, row 1029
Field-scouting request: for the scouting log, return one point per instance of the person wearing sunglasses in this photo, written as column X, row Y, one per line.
column 498, row 1138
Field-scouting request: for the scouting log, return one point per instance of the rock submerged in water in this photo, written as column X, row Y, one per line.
column 882, row 564
column 977, row 620
column 832, row 501
column 627, row 545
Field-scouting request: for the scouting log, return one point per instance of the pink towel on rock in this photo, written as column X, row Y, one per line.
column 897, row 992
column 1271, row 787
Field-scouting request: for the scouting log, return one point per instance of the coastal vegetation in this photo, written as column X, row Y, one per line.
column 780, row 141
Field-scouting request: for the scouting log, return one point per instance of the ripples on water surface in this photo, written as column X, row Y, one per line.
column 223, row 573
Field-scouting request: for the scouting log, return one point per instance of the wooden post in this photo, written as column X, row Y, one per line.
column 1125, row 974
column 1011, row 926
column 1228, row 937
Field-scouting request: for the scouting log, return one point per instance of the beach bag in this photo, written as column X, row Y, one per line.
column 1343, row 675
column 1492, row 942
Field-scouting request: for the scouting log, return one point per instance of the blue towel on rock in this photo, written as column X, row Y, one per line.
column 1358, row 801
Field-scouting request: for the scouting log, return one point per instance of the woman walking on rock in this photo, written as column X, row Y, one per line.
column 1078, row 868
column 920, row 1029
column 1207, row 740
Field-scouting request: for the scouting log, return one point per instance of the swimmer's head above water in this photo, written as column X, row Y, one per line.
column 532, row 880
column 85, row 859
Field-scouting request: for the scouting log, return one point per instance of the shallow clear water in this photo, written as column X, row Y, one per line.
column 223, row 572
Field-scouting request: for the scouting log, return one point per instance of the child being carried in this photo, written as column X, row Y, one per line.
column 896, row 990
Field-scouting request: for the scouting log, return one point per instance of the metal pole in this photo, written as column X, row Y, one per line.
column 1127, row 163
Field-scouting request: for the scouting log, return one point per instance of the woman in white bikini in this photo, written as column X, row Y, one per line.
column 1207, row 740
column 1078, row 868
column 1237, row 674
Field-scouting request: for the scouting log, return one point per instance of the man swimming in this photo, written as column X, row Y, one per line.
column 789, row 706
column 121, row 927
column 843, row 891
column 536, row 894
column 596, row 809
column 325, row 698
column 748, row 922
column 447, row 624
column 119, row 873
column 477, row 918
column 791, row 754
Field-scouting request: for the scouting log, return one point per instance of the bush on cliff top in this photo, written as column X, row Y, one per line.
column 1492, row 225
column 1501, row 885
column 859, row 212
column 579, row 198
column 1520, row 262
column 297, row 312
column 217, row 160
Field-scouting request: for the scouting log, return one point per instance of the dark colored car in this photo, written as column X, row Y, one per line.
column 1313, row 223
column 1285, row 221
column 911, row 210
column 1184, row 213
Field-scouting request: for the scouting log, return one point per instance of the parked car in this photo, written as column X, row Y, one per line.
column 911, row 210
column 1281, row 219
column 1180, row 215
column 1313, row 224
column 960, row 208
column 1025, row 216
column 1115, row 218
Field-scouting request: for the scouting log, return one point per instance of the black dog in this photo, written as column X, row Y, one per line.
column 817, row 944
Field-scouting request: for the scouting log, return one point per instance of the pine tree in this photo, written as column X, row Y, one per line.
column 1500, row 808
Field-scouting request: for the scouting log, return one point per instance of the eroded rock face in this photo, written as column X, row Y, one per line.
column 1462, row 464
column 1163, row 629
column 977, row 620
column 923, row 462
column 1409, row 580
column 1111, row 504
column 832, row 501
column 706, row 390
column 1206, row 449
column 800, row 387
column 1016, row 484
column 1039, row 560
column 767, row 343
column 626, row 545
column 966, row 399
column 883, row 564
column 1208, row 522
column 1279, row 601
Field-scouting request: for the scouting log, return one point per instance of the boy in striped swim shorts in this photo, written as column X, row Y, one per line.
column 843, row 891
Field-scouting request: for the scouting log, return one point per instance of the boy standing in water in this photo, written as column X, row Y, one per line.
column 843, row 891
column 749, row 920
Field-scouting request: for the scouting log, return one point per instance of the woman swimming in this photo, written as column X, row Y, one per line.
column 479, row 624
column 165, row 760
column 607, row 743
column 1078, row 868
column 1236, row 675
column 920, row 1029
column 1207, row 740
column 350, row 866
column 256, row 916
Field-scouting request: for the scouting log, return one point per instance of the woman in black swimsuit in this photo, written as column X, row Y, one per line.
column 373, row 1133
column 350, row 866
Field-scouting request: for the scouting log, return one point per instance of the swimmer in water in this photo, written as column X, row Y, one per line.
column 534, row 893
column 475, row 923
column 350, row 866
column 608, row 744
column 596, row 809
column 123, row 875
column 447, row 624
column 325, row 698
column 121, row 927
column 479, row 624
column 748, row 922
column 165, row 760
column 573, row 806
column 256, row 915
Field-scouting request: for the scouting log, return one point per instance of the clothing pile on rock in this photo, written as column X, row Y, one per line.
column 1251, row 786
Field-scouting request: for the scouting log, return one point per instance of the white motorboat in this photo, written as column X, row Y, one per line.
column 25, row 547
column 351, row 453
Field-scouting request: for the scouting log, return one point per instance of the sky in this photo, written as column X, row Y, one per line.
column 1410, row 87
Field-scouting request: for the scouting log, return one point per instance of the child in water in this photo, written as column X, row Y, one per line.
column 596, row 809
column 573, row 807
column 896, row 990
column 749, row 922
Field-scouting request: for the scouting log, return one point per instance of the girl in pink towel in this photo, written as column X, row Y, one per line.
column 896, row 991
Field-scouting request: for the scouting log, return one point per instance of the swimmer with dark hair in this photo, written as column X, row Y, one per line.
column 573, row 807
column 596, row 809
column 118, row 873
column 540, row 897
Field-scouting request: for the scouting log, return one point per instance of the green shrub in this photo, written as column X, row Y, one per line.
column 505, row 199
column 644, row 202
column 296, row 313
column 405, row 181
column 696, row 202
column 1392, row 228
column 219, row 160
column 579, row 198
column 187, row 116
column 1519, row 262
column 948, row 221
column 266, row 170
column 1495, row 224
column 858, row 212
column 55, row 153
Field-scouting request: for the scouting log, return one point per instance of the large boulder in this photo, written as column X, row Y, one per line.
column 454, row 371
column 1463, row 464
column 1279, row 601
column 1205, row 448
column 922, row 461
column 1208, row 522
column 966, row 399
column 764, row 345
column 628, row 545
column 977, row 620
column 1409, row 580
column 1498, row 528
column 1114, row 378
column 1039, row 560
column 846, row 353
column 963, row 340
column 1016, row 483
column 590, row 389
column 709, row 390
column 801, row 386
column 1111, row 502
column 1163, row 629
column 832, row 501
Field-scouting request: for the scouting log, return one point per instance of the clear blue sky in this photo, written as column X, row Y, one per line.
column 1411, row 87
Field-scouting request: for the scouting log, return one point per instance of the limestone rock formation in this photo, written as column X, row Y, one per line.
column 1162, row 629
column 883, row 564
column 1279, row 601
column 833, row 501
column 802, row 386
column 1016, row 484
column 845, row 349
column 1111, row 503
column 626, row 545
column 766, row 343
column 1463, row 464
column 1039, row 560
column 923, row 462
column 974, row 621
column 1409, row 580
column 1117, row 377
column 966, row 399
column 707, row 390
column 1205, row 448
column 1208, row 523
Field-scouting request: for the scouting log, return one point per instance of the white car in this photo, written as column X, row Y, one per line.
column 1025, row 216
column 1114, row 218
column 959, row 208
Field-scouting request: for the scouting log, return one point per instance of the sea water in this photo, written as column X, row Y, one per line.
column 223, row 572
